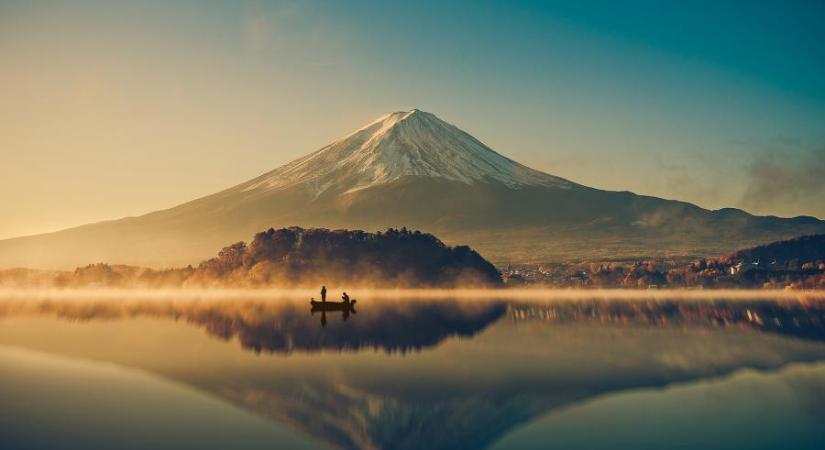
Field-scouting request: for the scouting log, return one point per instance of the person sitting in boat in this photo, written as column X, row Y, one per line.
column 345, row 297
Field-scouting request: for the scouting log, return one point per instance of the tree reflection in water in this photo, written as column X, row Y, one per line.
column 401, row 326
column 284, row 327
column 803, row 319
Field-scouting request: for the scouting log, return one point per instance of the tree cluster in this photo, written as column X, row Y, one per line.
column 394, row 258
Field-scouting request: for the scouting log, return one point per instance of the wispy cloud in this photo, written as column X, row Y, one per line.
column 264, row 26
column 787, row 180
column 291, row 31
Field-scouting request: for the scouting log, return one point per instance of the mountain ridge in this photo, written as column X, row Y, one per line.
column 412, row 169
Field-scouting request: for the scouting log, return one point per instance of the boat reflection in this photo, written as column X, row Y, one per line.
column 346, row 308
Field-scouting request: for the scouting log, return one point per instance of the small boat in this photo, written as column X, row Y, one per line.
column 332, row 306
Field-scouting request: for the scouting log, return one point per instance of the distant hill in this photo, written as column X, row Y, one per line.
column 790, row 254
column 797, row 263
column 794, row 263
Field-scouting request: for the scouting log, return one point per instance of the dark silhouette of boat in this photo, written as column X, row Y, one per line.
column 346, row 304
column 333, row 306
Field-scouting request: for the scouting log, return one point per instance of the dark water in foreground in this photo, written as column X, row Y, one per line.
column 429, row 374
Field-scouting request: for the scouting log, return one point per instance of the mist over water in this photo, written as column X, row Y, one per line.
column 390, row 295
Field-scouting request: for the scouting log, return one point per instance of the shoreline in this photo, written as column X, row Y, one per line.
column 470, row 294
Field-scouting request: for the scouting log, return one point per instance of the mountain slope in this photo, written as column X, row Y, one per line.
column 400, row 144
column 413, row 169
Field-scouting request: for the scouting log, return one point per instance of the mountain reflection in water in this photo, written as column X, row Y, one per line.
column 514, row 361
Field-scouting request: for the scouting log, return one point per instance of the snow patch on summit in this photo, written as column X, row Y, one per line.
column 399, row 144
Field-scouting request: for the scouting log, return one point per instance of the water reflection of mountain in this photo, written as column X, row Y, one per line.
column 467, row 395
column 460, row 394
column 800, row 319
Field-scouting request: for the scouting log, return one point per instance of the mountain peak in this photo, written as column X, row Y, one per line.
column 401, row 144
column 392, row 119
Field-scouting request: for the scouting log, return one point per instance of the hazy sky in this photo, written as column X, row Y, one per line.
column 114, row 108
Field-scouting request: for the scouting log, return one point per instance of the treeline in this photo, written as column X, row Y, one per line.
column 711, row 273
column 796, row 263
column 97, row 275
column 291, row 257
column 394, row 258
column 295, row 256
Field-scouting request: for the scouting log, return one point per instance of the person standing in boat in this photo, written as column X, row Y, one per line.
column 323, row 294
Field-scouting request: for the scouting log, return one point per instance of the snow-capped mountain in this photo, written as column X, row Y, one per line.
column 413, row 169
column 399, row 144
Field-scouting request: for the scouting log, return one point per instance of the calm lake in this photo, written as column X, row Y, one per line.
column 182, row 371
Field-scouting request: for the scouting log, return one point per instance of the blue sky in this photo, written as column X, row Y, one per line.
column 717, row 103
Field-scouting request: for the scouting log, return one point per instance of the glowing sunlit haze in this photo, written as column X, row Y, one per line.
column 118, row 108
